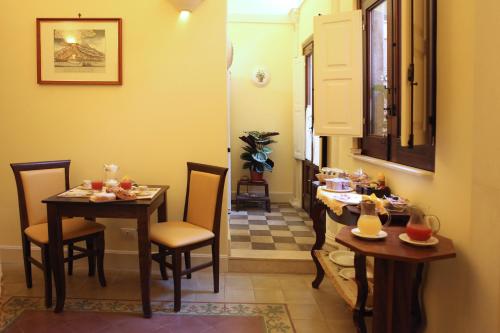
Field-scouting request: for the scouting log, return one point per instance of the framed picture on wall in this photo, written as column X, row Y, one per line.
column 79, row 51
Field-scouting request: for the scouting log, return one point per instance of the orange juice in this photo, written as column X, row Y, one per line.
column 369, row 225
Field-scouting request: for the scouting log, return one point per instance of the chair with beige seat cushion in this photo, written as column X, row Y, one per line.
column 200, row 226
column 37, row 181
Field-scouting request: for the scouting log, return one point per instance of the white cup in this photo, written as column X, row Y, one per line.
column 87, row 184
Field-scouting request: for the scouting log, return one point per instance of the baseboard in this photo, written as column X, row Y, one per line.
column 114, row 259
column 275, row 196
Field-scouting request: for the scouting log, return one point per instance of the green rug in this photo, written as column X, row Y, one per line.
column 276, row 316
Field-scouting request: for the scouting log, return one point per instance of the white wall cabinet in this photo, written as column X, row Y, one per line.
column 299, row 107
column 338, row 74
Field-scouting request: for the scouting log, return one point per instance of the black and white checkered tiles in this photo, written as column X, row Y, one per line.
column 284, row 228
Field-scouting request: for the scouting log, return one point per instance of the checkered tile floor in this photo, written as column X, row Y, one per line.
column 284, row 228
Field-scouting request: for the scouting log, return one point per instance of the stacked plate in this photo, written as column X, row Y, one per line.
column 342, row 258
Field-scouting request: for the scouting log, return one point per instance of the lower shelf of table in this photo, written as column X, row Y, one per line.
column 347, row 289
column 243, row 197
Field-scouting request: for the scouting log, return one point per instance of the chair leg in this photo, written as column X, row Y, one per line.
column 187, row 259
column 91, row 248
column 70, row 261
column 215, row 265
column 47, row 276
column 177, row 265
column 163, row 267
column 27, row 263
column 100, row 247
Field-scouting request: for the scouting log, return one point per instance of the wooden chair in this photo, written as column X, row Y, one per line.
column 35, row 182
column 200, row 227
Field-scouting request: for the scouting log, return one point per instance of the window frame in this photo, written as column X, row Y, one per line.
column 389, row 147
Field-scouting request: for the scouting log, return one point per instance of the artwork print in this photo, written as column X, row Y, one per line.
column 80, row 50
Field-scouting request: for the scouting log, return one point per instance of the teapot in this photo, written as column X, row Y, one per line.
column 421, row 227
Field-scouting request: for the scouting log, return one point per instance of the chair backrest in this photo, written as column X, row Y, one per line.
column 36, row 181
column 204, row 192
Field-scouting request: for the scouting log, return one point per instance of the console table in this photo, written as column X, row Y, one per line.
column 393, row 298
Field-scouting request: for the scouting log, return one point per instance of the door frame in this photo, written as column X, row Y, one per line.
column 309, row 169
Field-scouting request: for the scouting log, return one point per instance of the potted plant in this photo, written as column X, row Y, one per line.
column 256, row 153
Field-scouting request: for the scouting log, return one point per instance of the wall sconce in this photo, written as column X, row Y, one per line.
column 185, row 7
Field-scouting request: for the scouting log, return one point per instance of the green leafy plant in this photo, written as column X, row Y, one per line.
column 256, row 153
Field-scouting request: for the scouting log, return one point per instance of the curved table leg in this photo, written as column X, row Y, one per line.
column 319, row 225
column 362, row 284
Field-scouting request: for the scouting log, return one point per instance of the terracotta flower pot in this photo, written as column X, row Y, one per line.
column 256, row 176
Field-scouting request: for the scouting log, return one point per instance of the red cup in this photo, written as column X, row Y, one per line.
column 126, row 184
column 97, row 185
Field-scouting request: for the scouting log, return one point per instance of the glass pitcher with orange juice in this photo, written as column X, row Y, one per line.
column 369, row 223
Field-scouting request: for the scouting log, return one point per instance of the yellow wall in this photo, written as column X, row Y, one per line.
column 463, row 294
column 308, row 10
column 170, row 109
column 266, row 108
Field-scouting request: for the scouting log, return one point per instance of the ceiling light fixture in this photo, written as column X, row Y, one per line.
column 184, row 15
column 185, row 6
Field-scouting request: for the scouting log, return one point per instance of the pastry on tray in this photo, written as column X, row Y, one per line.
column 122, row 194
column 102, row 197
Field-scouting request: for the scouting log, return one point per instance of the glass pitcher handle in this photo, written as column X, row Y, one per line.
column 433, row 222
column 389, row 217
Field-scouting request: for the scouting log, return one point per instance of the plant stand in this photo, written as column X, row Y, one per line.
column 255, row 197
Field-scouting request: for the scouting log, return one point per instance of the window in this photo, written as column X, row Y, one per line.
column 399, row 42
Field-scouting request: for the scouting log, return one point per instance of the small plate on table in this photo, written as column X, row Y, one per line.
column 342, row 258
column 381, row 234
column 430, row 242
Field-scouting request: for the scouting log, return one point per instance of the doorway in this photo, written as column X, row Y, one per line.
column 315, row 146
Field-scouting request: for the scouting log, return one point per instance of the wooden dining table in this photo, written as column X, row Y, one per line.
column 141, row 210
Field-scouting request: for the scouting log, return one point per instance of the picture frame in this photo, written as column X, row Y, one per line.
column 79, row 51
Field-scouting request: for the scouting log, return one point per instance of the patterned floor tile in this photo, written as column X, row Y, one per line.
column 260, row 233
column 262, row 239
column 238, row 238
column 263, row 246
column 279, row 239
column 284, row 228
column 288, row 246
column 282, row 233
column 258, row 227
column 258, row 222
column 279, row 227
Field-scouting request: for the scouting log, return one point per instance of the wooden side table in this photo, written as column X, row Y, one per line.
column 398, row 272
column 249, row 196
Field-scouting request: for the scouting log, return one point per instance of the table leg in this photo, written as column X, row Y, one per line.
column 362, row 284
column 319, row 225
column 144, row 245
column 392, row 304
column 56, row 254
column 162, row 210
